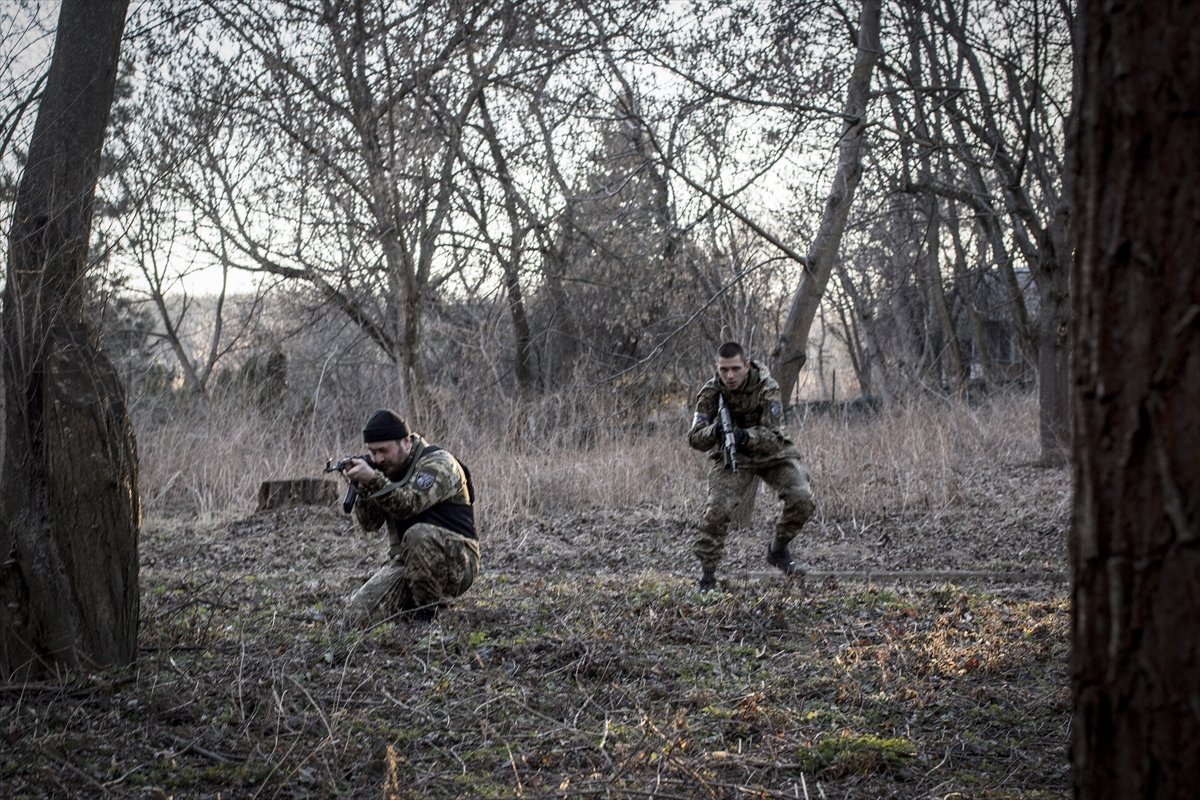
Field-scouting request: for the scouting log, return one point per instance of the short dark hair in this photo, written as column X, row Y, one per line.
column 731, row 350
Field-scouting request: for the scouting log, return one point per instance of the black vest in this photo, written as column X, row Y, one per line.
column 452, row 516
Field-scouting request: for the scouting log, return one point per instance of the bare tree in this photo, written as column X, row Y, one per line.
column 1136, row 341
column 22, row 35
column 70, row 510
column 408, row 165
column 161, row 147
column 789, row 354
column 1004, row 73
column 355, row 139
column 508, row 254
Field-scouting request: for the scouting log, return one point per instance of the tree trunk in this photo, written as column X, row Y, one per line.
column 510, row 257
column 1054, row 365
column 966, row 280
column 852, row 332
column 70, row 512
column 561, row 337
column 949, row 358
column 789, row 355
column 1054, row 295
column 1134, row 555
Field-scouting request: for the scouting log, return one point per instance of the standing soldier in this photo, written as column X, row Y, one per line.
column 762, row 451
column 425, row 496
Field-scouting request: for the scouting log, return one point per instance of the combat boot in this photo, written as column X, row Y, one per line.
column 708, row 580
column 779, row 557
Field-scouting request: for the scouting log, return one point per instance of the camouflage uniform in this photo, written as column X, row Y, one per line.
column 756, row 407
column 434, row 550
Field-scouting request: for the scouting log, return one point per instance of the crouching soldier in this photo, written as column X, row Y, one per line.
column 425, row 497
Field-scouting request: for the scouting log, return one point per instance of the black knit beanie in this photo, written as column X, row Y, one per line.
column 385, row 426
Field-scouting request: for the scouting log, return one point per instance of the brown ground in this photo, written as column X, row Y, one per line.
column 923, row 658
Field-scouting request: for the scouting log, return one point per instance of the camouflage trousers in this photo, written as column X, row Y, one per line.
column 789, row 479
column 427, row 567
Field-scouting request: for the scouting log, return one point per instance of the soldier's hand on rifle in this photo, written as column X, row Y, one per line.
column 740, row 437
column 359, row 471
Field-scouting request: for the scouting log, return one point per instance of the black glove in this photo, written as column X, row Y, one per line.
column 740, row 437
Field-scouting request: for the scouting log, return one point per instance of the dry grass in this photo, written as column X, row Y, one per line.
column 209, row 459
column 913, row 458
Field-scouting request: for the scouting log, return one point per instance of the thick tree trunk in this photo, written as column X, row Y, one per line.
column 69, row 516
column 1135, row 540
column 789, row 355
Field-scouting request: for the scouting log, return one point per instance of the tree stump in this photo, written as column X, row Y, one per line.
column 297, row 492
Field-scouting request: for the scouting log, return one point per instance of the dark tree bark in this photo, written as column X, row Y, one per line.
column 69, row 516
column 1135, row 557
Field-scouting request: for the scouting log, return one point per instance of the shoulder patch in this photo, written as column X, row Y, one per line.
column 423, row 480
column 776, row 409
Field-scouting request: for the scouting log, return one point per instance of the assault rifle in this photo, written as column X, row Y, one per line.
column 728, row 433
column 351, row 490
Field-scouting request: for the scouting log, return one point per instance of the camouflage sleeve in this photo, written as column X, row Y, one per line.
column 436, row 478
column 767, row 436
column 705, row 431
column 368, row 513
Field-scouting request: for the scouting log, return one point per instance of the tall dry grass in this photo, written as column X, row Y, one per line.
column 207, row 458
column 914, row 457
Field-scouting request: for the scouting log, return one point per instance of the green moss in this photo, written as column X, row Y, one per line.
column 744, row 651
column 717, row 712
column 849, row 753
column 876, row 597
column 173, row 775
column 482, row 788
column 815, row 715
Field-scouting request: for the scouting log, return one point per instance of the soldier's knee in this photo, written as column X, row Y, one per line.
column 708, row 551
column 808, row 509
column 716, row 517
column 418, row 535
column 420, row 543
column 798, row 502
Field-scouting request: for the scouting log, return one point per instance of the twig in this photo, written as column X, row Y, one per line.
column 516, row 775
column 213, row 755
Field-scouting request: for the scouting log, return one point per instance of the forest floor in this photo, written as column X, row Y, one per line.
column 923, row 657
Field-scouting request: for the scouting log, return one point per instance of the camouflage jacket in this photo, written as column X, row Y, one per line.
column 756, row 407
column 435, row 489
